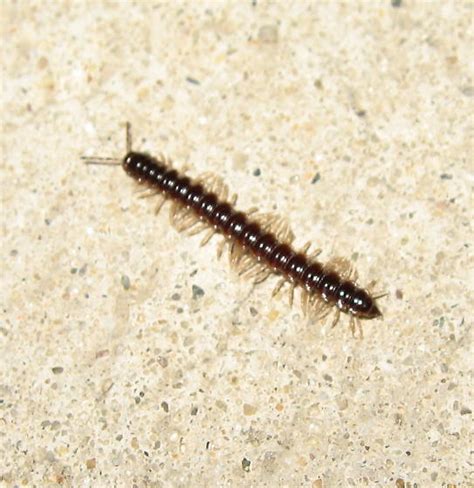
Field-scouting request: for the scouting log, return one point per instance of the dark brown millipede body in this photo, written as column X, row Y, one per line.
column 320, row 284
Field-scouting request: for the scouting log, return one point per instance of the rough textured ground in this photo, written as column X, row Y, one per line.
column 130, row 356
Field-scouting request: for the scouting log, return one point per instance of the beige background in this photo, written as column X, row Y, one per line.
column 129, row 355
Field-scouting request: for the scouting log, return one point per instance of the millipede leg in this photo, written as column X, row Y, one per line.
column 343, row 267
column 128, row 136
column 355, row 323
column 291, row 294
column 188, row 225
column 214, row 184
column 256, row 271
column 260, row 278
column 147, row 193
column 305, row 248
column 318, row 307
column 249, row 267
column 220, row 248
column 315, row 254
column 200, row 227
column 304, row 301
column 337, row 315
column 359, row 328
column 276, row 224
column 278, row 286
column 160, row 205
column 182, row 218
column 207, row 237
column 235, row 253
column 352, row 325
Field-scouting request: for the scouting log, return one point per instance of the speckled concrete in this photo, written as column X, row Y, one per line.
column 129, row 355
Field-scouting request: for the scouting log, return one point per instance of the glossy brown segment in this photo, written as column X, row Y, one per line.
column 242, row 231
column 281, row 257
column 265, row 246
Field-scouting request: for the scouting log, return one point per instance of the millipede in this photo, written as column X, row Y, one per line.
column 259, row 244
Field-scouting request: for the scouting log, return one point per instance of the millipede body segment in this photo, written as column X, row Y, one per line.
column 258, row 247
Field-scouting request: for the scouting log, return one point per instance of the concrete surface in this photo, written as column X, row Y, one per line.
column 130, row 356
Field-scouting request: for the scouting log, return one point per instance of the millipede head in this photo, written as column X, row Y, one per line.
column 363, row 305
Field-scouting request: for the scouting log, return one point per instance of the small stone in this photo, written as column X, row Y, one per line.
column 253, row 311
column 198, row 292
column 396, row 3
column 246, row 465
column 91, row 463
column 193, row 81
column 318, row 84
column 194, row 411
column 257, row 172
column 465, row 411
column 316, row 178
column 165, row 407
column 57, row 370
column 125, row 280
column 175, row 296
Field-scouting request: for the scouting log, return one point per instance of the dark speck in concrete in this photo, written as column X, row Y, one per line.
column 198, row 292
column 318, row 84
column 246, row 465
column 316, row 178
column 257, row 172
column 165, row 407
column 446, row 176
column 175, row 296
column 193, row 81
column 396, row 3
column 57, row 370
column 125, row 280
